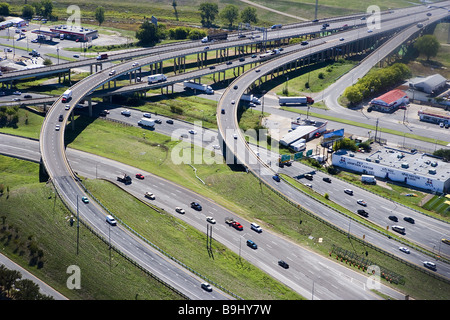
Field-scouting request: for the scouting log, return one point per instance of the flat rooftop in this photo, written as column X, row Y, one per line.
column 412, row 162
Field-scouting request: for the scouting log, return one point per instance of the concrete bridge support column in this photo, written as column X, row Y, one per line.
column 90, row 106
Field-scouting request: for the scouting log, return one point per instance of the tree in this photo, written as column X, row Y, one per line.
column 248, row 15
column 208, row 13
column 100, row 15
column 4, row 9
column 444, row 153
column 427, row 45
column 27, row 11
column 149, row 34
column 353, row 94
column 230, row 13
column 47, row 8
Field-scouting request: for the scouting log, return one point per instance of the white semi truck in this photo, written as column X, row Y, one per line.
column 156, row 78
column 198, row 86
column 144, row 122
column 250, row 98
column 295, row 100
column 67, row 95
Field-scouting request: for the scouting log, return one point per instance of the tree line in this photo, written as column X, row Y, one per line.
column 13, row 287
column 376, row 81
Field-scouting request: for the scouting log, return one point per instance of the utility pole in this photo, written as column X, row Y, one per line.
column 78, row 228
column 315, row 13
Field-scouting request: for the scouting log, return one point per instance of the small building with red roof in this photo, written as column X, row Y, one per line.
column 390, row 101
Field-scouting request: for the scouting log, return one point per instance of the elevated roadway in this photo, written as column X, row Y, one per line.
column 55, row 161
column 238, row 151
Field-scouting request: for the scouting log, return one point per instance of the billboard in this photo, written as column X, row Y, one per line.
column 332, row 136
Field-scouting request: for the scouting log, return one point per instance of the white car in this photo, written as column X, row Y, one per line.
column 235, row 136
column 17, row 93
column 135, row 64
column 210, row 220
column 179, row 210
column 403, row 249
column 126, row 112
column 206, row 286
column 361, row 202
column 67, row 107
column 429, row 265
column 348, row 191
column 57, row 127
column 112, row 72
column 147, row 115
column 150, row 195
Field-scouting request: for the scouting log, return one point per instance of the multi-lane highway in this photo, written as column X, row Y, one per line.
column 228, row 124
column 59, row 169
column 308, row 270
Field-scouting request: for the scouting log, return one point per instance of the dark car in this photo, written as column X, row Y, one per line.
column 251, row 244
column 308, row 176
column 61, row 117
column 408, row 219
column 196, row 206
column 170, row 121
column 363, row 212
column 393, row 218
column 276, row 178
column 283, row 264
column 223, row 111
column 326, row 179
column 304, row 43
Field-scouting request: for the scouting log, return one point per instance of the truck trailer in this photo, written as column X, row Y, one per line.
column 198, row 86
column 156, row 78
column 67, row 95
column 102, row 56
column 295, row 100
column 144, row 122
column 250, row 98
column 215, row 37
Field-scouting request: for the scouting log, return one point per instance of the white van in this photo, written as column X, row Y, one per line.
column 255, row 227
column 399, row 229
column 110, row 219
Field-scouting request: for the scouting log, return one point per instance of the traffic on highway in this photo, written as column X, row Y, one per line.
column 415, row 236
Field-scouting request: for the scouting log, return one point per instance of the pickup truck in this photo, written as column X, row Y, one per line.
column 234, row 224
column 125, row 179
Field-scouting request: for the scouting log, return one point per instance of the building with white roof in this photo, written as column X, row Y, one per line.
column 419, row 170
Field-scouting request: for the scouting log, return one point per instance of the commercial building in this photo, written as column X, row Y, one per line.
column 431, row 84
column 75, row 33
column 306, row 130
column 389, row 102
column 15, row 22
column 415, row 169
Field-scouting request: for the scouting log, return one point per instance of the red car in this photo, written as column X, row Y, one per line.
column 237, row 225
column 139, row 176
